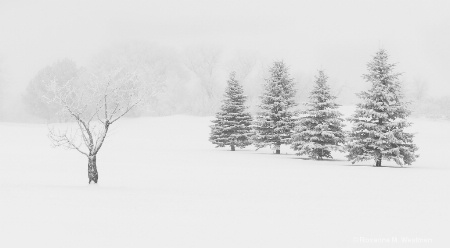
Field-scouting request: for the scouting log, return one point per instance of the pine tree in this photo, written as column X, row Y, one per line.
column 319, row 131
column 379, row 121
column 275, row 123
column 232, row 125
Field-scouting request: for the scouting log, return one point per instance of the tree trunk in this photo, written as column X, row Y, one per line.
column 277, row 148
column 92, row 169
column 277, row 151
column 378, row 163
column 379, row 155
column 233, row 148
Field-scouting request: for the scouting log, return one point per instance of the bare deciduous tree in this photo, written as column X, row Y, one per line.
column 203, row 62
column 94, row 102
column 420, row 89
column 243, row 64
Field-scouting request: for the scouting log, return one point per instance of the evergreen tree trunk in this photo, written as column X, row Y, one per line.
column 379, row 155
column 378, row 163
column 233, row 147
column 277, row 148
column 320, row 154
column 92, row 169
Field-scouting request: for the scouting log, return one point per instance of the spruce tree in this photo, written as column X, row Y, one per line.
column 232, row 125
column 319, row 130
column 379, row 121
column 274, row 124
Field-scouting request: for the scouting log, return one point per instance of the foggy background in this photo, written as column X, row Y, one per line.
column 190, row 47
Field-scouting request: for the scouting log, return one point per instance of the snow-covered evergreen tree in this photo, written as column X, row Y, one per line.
column 232, row 125
column 319, row 130
column 275, row 123
column 380, row 119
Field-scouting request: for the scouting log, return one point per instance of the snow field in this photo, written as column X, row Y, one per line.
column 162, row 184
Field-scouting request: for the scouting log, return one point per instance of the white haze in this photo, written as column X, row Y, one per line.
column 338, row 36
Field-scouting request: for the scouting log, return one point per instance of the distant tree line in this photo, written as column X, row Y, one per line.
column 190, row 81
column 187, row 81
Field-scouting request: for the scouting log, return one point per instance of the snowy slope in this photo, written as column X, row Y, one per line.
column 162, row 184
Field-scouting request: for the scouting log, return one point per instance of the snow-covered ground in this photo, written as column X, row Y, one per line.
column 162, row 184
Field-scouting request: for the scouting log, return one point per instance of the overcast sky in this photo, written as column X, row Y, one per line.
column 338, row 36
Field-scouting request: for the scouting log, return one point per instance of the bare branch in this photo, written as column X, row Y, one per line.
column 106, row 97
column 62, row 139
column 126, row 111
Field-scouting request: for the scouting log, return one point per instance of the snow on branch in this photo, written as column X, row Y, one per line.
column 94, row 101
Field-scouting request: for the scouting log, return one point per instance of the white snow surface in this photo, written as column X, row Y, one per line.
column 163, row 184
